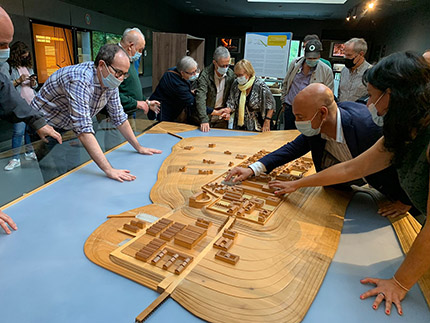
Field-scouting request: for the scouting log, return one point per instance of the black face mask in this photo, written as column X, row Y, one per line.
column 349, row 62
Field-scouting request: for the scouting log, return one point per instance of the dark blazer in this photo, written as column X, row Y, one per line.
column 360, row 134
column 14, row 109
column 175, row 95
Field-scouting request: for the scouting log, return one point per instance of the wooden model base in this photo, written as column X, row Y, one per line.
column 273, row 253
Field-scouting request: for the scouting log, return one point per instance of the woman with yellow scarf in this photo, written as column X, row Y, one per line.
column 250, row 100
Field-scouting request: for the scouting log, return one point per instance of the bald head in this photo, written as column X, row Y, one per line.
column 6, row 29
column 133, row 41
column 426, row 56
column 312, row 97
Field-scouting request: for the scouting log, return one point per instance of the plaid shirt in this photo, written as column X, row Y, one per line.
column 73, row 95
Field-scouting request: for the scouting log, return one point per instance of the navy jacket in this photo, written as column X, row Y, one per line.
column 175, row 95
column 360, row 134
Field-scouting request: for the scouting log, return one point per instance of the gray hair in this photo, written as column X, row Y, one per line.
column 359, row 45
column 221, row 52
column 127, row 37
column 185, row 63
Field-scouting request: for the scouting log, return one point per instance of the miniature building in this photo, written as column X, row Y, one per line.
column 172, row 231
column 227, row 257
column 239, row 156
column 227, row 152
column 150, row 249
column 199, row 199
column 183, row 169
column 158, row 227
column 230, row 164
column 223, row 243
column 190, row 236
column 212, row 145
column 203, row 223
column 188, row 147
column 133, row 227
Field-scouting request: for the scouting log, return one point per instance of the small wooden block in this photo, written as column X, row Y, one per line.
column 227, row 152
column 212, row 145
column 138, row 223
column 131, row 228
column 227, row 257
column 188, row 147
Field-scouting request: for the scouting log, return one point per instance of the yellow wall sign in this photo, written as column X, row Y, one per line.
column 277, row 40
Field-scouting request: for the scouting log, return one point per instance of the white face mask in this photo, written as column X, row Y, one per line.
column 305, row 127
column 242, row 80
column 4, row 55
column 378, row 120
column 222, row 70
column 110, row 81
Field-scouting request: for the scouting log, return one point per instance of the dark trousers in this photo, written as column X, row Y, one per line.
column 289, row 118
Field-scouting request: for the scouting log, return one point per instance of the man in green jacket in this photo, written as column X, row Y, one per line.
column 213, row 89
column 130, row 90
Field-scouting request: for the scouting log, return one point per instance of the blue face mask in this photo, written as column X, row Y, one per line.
column 136, row 56
column 305, row 127
column 311, row 62
column 110, row 81
column 222, row 70
column 194, row 77
column 4, row 55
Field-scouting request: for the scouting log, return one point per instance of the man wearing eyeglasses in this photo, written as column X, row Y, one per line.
column 213, row 89
column 74, row 94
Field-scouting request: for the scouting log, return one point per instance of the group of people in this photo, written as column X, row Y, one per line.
column 384, row 144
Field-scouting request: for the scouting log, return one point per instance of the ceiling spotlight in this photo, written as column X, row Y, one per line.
column 371, row 5
column 354, row 16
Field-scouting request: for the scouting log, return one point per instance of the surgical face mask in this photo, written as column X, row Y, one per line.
column 222, row 70
column 4, row 55
column 194, row 77
column 110, row 81
column 242, row 80
column 305, row 127
column 312, row 62
column 378, row 120
column 136, row 56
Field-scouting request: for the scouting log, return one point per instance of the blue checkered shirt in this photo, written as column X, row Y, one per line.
column 73, row 95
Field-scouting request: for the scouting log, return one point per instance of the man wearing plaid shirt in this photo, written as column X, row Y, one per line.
column 74, row 94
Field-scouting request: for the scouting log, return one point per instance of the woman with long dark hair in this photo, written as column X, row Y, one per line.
column 19, row 68
column 399, row 101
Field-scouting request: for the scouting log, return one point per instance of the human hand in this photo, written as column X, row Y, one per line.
column 393, row 209
column 283, row 187
column 154, row 105
column 386, row 289
column 6, row 222
column 22, row 78
column 239, row 174
column 204, row 127
column 120, row 175
column 47, row 130
column 148, row 151
column 266, row 126
column 142, row 105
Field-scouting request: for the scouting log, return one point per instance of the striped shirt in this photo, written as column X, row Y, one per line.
column 73, row 95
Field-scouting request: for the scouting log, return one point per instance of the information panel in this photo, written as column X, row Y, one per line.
column 268, row 52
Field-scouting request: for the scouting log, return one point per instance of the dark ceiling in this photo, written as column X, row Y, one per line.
column 243, row 8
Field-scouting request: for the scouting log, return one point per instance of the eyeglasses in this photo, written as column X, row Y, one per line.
column 197, row 71
column 119, row 73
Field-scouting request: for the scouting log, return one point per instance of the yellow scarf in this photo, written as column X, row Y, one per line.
column 242, row 100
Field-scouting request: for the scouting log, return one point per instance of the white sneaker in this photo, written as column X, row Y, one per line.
column 30, row 156
column 13, row 163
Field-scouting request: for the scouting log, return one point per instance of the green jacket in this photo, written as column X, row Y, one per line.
column 206, row 91
column 130, row 91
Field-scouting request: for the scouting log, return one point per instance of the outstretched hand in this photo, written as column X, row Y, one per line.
column 48, row 131
column 149, row 151
column 393, row 209
column 386, row 289
column 283, row 187
column 6, row 222
column 239, row 174
column 120, row 175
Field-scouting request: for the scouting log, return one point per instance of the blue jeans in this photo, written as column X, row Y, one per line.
column 20, row 131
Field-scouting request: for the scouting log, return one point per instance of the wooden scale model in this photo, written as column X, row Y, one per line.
column 227, row 253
